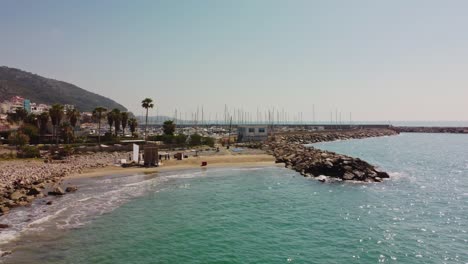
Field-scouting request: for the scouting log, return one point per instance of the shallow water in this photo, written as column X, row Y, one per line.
column 266, row 215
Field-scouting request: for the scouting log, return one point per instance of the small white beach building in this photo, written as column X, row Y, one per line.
column 247, row 133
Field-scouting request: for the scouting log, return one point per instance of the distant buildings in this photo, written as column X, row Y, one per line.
column 18, row 102
column 27, row 105
column 10, row 106
column 39, row 108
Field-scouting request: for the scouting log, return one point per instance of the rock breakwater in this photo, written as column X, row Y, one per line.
column 451, row 130
column 325, row 165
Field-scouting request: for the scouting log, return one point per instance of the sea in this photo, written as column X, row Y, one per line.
column 261, row 214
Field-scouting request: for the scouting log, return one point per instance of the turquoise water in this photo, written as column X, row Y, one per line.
column 274, row 215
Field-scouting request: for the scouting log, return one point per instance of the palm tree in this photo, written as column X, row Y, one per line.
column 117, row 118
column 147, row 103
column 56, row 115
column 66, row 131
column 32, row 119
column 110, row 121
column 98, row 114
column 124, row 116
column 43, row 121
column 73, row 115
column 132, row 123
column 22, row 114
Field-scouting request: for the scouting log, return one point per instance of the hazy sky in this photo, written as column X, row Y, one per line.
column 380, row 60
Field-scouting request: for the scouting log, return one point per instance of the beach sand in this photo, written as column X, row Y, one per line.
column 213, row 161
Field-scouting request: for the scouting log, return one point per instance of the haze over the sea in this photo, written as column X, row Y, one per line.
column 380, row 60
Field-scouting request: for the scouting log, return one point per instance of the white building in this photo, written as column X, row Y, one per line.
column 5, row 107
column 252, row 133
column 39, row 108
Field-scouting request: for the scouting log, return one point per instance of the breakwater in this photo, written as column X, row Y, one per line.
column 325, row 165
column 452, row 130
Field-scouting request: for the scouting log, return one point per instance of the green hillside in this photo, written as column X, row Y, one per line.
column 48, row 91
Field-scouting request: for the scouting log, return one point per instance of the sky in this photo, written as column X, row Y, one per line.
column 378, row 60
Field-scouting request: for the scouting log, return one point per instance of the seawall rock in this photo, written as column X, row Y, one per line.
column 311, row 162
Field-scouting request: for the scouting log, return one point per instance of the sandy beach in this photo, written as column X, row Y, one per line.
column 21, row 181
column 213, row 161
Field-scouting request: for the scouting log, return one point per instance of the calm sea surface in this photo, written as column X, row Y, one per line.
column 264, row 215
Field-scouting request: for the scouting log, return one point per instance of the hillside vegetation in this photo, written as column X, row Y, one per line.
column 48, row 91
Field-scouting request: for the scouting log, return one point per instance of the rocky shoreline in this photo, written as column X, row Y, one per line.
column 325, row 165
column 23, row 181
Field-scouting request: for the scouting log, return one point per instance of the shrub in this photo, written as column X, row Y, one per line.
column 66, row 151
column 195, row 140
column 209, row 141
column 180, row 139
column 18, row 139
column 28, row 152
column 61, row 153
column 31, row 131
column 110, row 138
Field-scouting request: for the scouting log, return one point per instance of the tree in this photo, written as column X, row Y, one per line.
column 195, row 139
column 169, row 127
column 66, row 131
column 73, row 116
column 180, row 139
column 209, row 141
column 22, row 114
column 19, row 115
column 31, row 131
column 147, row 103
column 132, row 123
column 98, row 114
column 110, row 121
column 124, row 117
column 43, row 121
column 32, row 119
column 12, row 117
column 117, row 119
column 18, row 139
column 56, row 115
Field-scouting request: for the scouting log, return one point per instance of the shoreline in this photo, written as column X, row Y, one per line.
column 99, row 165
column 22, row 182
column 241, row 161
column 88, row 176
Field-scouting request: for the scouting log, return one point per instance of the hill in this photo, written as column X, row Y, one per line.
column 49, row 91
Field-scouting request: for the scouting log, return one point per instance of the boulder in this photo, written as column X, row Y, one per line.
column 321, row 178
column 4, row 226
column 34, row 191
column 348, row 176
column 71, row 189
column 22, row 203
column 57, row 191
column 4, row 209
column 16, row 195
column 382, row 174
